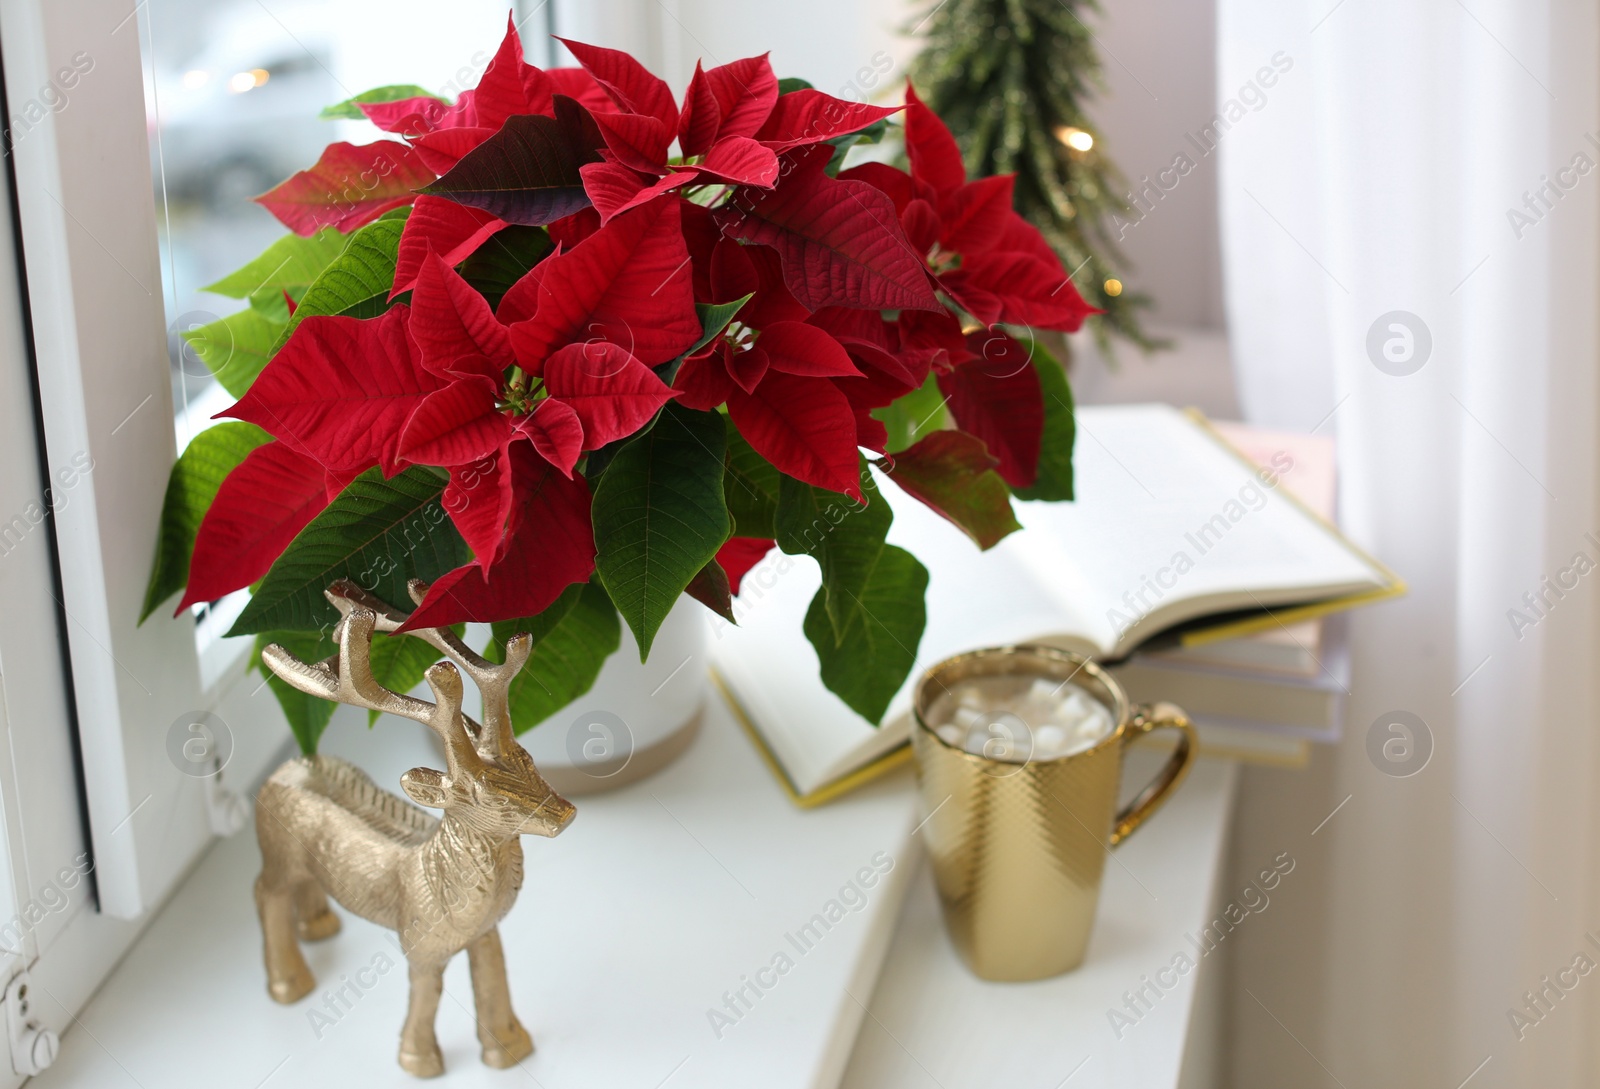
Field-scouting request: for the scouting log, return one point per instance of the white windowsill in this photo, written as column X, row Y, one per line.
column 932, row 1022
column 633, row 924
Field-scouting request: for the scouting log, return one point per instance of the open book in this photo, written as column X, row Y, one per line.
column 1171, row 528
column 1290, row 650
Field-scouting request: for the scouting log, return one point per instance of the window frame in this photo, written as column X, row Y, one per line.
column 88, row 316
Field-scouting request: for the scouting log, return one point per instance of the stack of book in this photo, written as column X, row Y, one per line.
column 1199, row 562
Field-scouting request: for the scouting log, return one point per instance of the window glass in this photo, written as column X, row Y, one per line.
column 233, row 90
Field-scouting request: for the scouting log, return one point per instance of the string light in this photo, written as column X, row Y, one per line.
column 1075, row 138
column 1113, row 288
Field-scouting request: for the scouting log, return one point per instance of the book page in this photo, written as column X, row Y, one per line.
column 978, row 599
column 1166, row 517
column 1295, row 648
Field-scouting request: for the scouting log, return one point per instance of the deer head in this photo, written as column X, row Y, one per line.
column 489, row 782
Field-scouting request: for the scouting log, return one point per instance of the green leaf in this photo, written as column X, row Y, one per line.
column 270, row 303
column 711, row 588
column 750, row 485
column 400, row 662
column 1054, row 479
column 308, row 715
column 536, row 627
column 289, row 262
column 953, row 473
column 793, row 83
column 714, row 318
column 236, row 348
column 913, row 416
column 504, row 259
column 357, row 283
column 659, row 516
column 595, row 461
column 191, row 488
column 870, row 664
column 844, row 537
column 572, row 640
column 872, row 134
column 349, row 109
column 378, row 533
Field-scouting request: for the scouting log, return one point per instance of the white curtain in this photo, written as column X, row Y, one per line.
column 1440, row 159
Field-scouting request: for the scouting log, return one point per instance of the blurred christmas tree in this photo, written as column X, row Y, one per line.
column 1010, row 78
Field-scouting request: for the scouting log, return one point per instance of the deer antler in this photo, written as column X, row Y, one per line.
column 347, row 678
column 493, row 680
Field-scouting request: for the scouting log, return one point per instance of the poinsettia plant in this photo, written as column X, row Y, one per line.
column 525, row 350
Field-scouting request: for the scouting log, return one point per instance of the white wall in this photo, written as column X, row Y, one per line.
column 1159, row 63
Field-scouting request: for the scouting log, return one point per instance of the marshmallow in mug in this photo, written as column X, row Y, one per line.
column 1018, row 719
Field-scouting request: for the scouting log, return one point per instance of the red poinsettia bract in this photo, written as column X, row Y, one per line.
column 709, row 252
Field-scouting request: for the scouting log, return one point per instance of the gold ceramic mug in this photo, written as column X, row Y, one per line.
column 1018, row 848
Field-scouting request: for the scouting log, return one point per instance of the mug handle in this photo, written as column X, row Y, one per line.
column 1146, row 718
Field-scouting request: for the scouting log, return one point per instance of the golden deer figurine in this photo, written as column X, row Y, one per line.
column 443, row 885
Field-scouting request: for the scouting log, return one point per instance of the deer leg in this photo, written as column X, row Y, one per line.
column 419, row 1047
column 288, row 978
column 505, row 1042
column 314, row 919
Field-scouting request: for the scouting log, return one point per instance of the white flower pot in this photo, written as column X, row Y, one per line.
column 636, row 719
